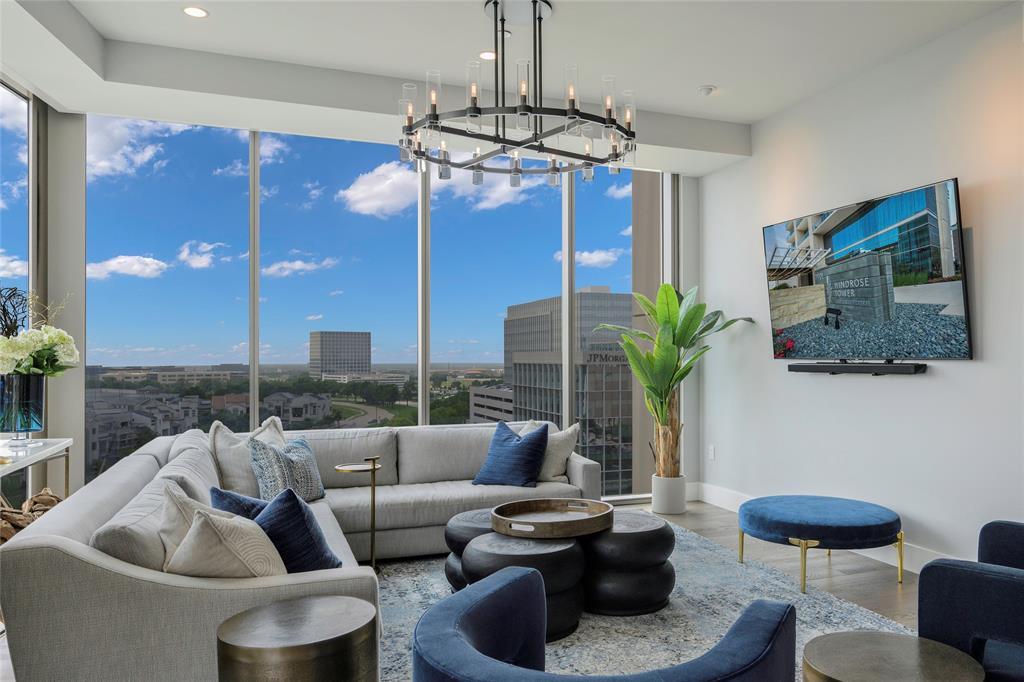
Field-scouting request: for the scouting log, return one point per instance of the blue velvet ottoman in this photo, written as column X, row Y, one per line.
column 823, row 522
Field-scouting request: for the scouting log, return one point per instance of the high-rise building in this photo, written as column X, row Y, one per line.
column 533, row 374
column 338, row 353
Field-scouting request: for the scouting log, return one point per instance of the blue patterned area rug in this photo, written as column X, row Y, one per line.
column 711, row 591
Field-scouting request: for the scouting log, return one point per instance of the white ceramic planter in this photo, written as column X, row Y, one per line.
column 668, row 495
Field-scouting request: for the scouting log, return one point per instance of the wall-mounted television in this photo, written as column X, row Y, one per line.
column 883, row 279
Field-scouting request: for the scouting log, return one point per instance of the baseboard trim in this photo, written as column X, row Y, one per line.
column 914, row 556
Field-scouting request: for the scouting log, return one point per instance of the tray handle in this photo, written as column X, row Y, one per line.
column 526, row 527
column 577, row 505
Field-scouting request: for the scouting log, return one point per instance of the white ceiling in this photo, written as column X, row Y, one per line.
column 764, row 56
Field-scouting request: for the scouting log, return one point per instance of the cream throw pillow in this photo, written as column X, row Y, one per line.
column 218, row 547
column 556, row 457
column 178, row 512
column 231, row 453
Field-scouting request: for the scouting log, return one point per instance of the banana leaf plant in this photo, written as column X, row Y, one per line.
column 663, row 355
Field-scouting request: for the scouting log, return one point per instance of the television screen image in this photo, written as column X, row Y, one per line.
column 877, row 280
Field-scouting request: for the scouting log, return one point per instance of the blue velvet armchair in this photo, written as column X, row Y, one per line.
column 979, row 607
column 493, row 631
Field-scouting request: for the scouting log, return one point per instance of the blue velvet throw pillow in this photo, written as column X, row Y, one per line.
column 513, row 459
column 293, row 466
column 236, row 503
column 292, row 527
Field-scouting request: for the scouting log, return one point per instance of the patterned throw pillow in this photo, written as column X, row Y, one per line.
column 279, row 468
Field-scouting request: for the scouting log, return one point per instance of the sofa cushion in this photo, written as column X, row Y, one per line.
column 225, row 547
column 343, row 446
column 237, row 503
column 231, row 454
column 192, row 466
column 133, row 534
column 427, row 454
column 561, row 445
column 289, row 466
column 428, row 504
column 179, row 511
column 293, row 528
column 250, row 507
column 513, row 459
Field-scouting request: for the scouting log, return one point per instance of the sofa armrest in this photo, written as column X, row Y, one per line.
column 963, row 604
column 585, row 474
column 1002, row 542
column 112, row 620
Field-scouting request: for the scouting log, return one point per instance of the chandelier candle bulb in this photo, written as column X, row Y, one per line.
column 433, row 92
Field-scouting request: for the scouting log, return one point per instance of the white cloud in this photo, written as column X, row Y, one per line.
column 12, row 266
column 13, row 190
column 300, row 252
column 120, row 146
column 336, row 292
column 392, row 187
column 233, row 170
column 314, row 318
column 13, row 113
column 598, row 258
column 198, row 255
column 628, row 232
column 314, row 190
column 268, row 192
column 23, row 155
column 387, row 190
column 243, row 256
column 133, row 266
column 617, row 191
column 464, row 341
column 287, row 268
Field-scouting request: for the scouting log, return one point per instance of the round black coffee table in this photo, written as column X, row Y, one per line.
column 628, row 572
column 560, row 562
column 302, row 640
column 459, row 530
column 864, row 656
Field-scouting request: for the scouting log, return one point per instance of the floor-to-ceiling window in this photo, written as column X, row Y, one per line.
column 604, row 261
column 495, row 278
column 337, row 284
column 14, row 230
column 167, row 283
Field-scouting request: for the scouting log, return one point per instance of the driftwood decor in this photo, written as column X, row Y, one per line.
column 14, row 520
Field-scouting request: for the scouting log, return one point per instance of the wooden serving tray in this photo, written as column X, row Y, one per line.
column 551, row 518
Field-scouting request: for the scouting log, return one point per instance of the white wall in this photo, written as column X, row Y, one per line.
column 943, row 449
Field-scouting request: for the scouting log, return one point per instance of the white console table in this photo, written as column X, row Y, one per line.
column 18, row 458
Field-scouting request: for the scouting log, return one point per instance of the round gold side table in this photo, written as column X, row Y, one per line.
column 865, row 656
column 311, row 639
column 372, row 465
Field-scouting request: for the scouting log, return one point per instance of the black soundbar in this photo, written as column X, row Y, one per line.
column 872, row 368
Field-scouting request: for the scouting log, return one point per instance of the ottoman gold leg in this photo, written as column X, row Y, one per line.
column 804, row 545
column 899, row 557
column 741, row 545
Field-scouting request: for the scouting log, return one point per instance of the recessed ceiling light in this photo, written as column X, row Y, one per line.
column 196, row 12
column 488, row 55
column 707, row 90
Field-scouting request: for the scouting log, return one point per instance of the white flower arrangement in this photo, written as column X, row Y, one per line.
column 48, row 351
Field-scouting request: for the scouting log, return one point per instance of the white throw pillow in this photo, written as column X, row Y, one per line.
column 218, row 547
column 231, row 453
column 178, row 512
column 560, row 446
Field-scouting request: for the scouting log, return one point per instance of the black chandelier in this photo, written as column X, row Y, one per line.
column 566, row 137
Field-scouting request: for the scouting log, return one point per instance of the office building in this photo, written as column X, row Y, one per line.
column 338, row 353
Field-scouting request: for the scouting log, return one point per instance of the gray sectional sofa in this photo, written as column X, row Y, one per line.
column 75, row 612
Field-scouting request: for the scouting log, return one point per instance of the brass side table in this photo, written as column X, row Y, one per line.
column 310, row 639
column 865, row 656
column 371, row 465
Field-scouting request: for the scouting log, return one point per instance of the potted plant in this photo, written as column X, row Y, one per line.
column 678, row 326
column 27, row 357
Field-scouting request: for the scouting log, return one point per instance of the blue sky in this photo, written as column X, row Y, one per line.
column 13, row 190
column 167, row 246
